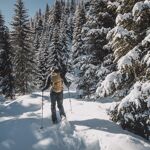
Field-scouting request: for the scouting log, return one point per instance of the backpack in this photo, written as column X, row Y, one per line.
column 57, row 82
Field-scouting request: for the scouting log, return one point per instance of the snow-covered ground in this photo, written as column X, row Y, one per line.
column 88, row 126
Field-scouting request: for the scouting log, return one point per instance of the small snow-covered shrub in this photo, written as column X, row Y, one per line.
column 133, row 112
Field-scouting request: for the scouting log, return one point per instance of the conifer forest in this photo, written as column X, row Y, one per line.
column 104, row 44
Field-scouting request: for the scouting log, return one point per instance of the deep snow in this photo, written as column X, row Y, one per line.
column 89, row 127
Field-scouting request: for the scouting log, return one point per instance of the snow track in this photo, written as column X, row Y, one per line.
column 88, row 127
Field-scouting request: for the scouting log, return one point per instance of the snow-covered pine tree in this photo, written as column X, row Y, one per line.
column 71, row 7
column 86, row 4
column 77, row 50
column 47, row 13
column 124, row 39
column 6, row 66
column 21, row 44
column 58, row 17
column 2, row 51
column 99, row 22
column 43, row 57
column 130, row 42
column 44, row 54
column 57, row 12
column 63, row 39
column 77, row 43
column 121, row 40
column 44, row 64
column 38, row 30
column 55, row 51
column 46, row 38
column 38, row 22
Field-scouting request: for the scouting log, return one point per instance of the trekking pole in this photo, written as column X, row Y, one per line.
column 42, row 113
column 70, row 100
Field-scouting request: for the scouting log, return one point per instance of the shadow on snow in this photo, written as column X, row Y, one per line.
column 105, row 125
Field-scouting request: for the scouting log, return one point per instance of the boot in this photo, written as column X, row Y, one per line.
column 62, row 116
column 54, row 119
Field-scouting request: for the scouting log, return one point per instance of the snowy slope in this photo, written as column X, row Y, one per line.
column 89, row 127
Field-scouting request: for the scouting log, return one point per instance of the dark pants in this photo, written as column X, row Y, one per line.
column 57, row 97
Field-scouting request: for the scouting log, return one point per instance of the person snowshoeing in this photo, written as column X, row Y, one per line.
column 56, row 79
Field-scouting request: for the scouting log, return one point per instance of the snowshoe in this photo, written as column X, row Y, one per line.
column 62, row 117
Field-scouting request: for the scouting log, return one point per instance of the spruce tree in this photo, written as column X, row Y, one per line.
column 38, row 37
column 52, row 42
column 129, row 40
column 6, row 67
column 77, row 44
column 125, row 41
column 71, row 8
column 56, row 52
column 57, row 12
column 38, row 22
column 80, row 20
column 47, row 12
column 99, row 22
column 93, row 34
column 23, row 54
column 45, row 41
column 63, row 40
column 43, row 59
